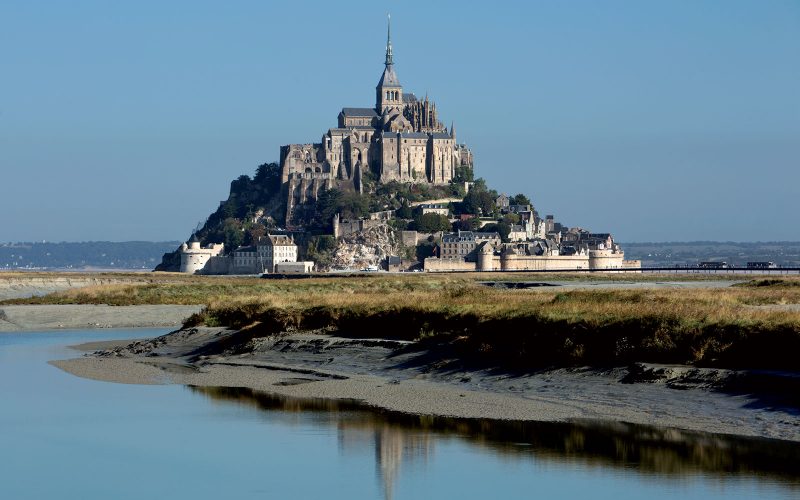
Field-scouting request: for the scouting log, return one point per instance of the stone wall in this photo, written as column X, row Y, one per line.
column 632, row 264
column 437, row 265
column 347, row 227
column 218, row 264
column 302, row 267
column 413, row 238
column 543, row 263
column 605, row 259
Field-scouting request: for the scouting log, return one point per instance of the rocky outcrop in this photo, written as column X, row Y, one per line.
column 368, row 247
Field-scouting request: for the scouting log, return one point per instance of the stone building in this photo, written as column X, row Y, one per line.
column 195, row 258
column 274, row 249
column 591, row 254
column 462, row 244
column 435, row 208
column 399, row 139
column 244, row 260
column 263, row 257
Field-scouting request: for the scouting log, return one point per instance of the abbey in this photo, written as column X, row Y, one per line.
column 400, row 139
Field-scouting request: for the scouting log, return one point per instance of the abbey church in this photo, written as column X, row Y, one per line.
column 400, row 139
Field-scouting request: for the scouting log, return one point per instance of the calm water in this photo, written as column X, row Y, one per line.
column 62, row 436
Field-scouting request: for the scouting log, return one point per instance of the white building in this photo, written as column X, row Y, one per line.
column 194, row 258
column 276, row 248
column 435, row 208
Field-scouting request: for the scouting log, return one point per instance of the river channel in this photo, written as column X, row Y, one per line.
column 66, row 437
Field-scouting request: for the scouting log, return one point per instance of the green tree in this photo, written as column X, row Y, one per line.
column 520, row 199
column 325, row 243
column 431, row 223
column 240, row 185
column 232, row 233
column 230, row 208
column 254, row 233
column 424, row 250
column 268, row 177
column 479, row 201
column 463, row 174
column 404, row 212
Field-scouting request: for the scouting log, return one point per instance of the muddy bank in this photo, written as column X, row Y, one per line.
column 15, row 318
column 427, row 378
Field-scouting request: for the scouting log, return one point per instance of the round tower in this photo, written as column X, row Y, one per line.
column 485, row 257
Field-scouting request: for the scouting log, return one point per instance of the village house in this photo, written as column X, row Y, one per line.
column 462, row 244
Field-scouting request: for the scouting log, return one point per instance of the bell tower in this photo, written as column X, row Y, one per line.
column 389, row 92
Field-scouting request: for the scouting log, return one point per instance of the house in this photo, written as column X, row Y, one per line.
column 462, row 244
column 274, row 249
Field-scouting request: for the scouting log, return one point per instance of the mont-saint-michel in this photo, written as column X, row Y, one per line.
column 390, row 187
column 386, row 305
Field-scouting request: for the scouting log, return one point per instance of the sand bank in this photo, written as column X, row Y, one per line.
column 48, row 317
column 423, row 379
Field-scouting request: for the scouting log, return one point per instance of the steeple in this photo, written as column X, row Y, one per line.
column 389, row 92
column 389, row 61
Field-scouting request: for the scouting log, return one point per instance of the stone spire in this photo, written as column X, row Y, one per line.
column 389, row 92
column 389, row 60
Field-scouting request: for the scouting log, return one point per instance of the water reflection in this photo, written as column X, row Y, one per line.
column 400, row 439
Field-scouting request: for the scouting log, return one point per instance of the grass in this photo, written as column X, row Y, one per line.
column 524, row 329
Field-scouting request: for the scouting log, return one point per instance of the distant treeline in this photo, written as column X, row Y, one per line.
column 690, row 253
column 86, row 254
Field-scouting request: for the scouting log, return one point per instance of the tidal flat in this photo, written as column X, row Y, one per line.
column 697, row 354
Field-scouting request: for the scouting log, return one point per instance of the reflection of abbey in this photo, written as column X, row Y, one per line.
column 400, row 139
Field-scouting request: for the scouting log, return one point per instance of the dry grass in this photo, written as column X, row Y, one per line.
column 525, row 328
column 528, row 329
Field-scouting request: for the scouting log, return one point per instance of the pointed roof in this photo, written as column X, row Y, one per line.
column 389, row 77
column 389, row 61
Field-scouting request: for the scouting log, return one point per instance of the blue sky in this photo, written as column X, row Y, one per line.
column 654, row 120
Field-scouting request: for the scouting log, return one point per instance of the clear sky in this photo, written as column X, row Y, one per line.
column 654, row 120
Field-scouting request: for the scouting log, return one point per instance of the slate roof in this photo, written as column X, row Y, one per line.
column 414, row 135
column 359, row 112
column 441, row 135
column 409, row 97
column 389, row 77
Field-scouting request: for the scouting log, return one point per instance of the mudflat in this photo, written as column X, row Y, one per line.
column 422, row 377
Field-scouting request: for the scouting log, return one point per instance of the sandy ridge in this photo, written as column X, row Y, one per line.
column 15, row 318
column 394, row 377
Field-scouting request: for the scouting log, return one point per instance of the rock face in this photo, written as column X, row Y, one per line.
column 368, row 247
column 170, row 262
